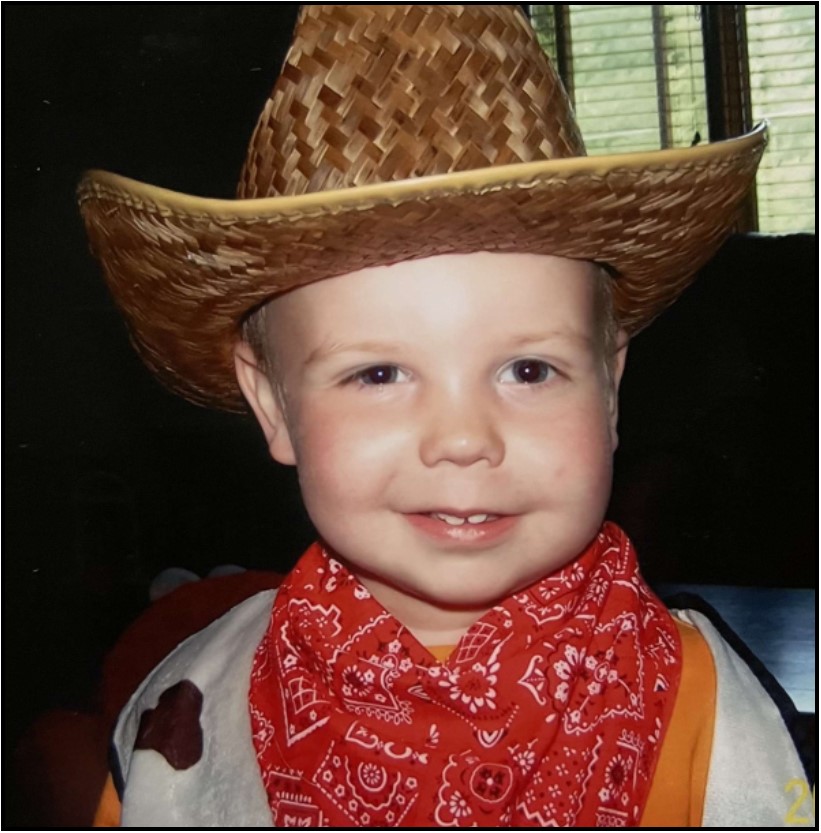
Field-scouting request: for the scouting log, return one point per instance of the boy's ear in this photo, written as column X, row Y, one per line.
column 617, row 371
column 259, row 392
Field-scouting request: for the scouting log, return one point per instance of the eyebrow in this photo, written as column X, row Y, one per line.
column 565, row 335
column 333, row 348
column 329, row 349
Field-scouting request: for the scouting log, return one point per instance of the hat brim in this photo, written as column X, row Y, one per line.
column 186, row 271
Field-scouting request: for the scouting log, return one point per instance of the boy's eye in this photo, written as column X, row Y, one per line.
column 382, row 374
column 526, row 372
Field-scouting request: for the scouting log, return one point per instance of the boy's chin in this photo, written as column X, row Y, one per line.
column 445, row 594
column 473, row 596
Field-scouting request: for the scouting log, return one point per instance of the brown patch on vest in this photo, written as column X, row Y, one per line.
column 173, row 728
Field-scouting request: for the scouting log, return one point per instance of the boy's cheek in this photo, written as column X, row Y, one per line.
column 585, row 454
column 332, row 451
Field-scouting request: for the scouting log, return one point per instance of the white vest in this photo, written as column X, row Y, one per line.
column 753, row 759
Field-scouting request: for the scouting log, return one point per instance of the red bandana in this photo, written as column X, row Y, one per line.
column 549, row 712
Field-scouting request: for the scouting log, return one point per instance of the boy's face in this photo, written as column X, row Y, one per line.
column 452, row 422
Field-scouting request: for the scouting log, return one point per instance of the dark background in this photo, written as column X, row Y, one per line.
column 108, row 479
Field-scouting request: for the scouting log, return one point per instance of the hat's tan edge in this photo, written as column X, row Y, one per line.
column 122, row 189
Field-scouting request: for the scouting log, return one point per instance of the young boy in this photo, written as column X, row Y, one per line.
column 408, row 295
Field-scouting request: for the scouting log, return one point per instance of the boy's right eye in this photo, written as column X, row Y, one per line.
column 380, row 374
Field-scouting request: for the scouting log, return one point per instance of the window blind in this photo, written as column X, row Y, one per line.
column 635, row 73
column 781, row 52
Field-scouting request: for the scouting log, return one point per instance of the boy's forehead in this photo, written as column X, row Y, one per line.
column 442, row 290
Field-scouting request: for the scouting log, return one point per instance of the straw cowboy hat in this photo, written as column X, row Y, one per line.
column 399, row 132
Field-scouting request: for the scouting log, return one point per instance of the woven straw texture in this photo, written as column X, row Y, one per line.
column 399, row 132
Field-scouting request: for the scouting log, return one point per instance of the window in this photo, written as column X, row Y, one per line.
column 640, row 80
column 781, row 49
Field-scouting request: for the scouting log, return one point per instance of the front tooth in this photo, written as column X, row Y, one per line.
column 477, row 519
column 450, row 519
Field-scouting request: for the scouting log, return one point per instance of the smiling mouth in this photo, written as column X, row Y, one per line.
column 472, row 528
column 460, row 520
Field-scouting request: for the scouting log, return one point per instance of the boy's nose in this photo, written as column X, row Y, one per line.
column 460, row 431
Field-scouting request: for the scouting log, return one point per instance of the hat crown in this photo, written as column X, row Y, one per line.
column 378, row 93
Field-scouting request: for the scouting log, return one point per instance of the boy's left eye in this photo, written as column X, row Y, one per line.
column 526, row 372
column 382, row 374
